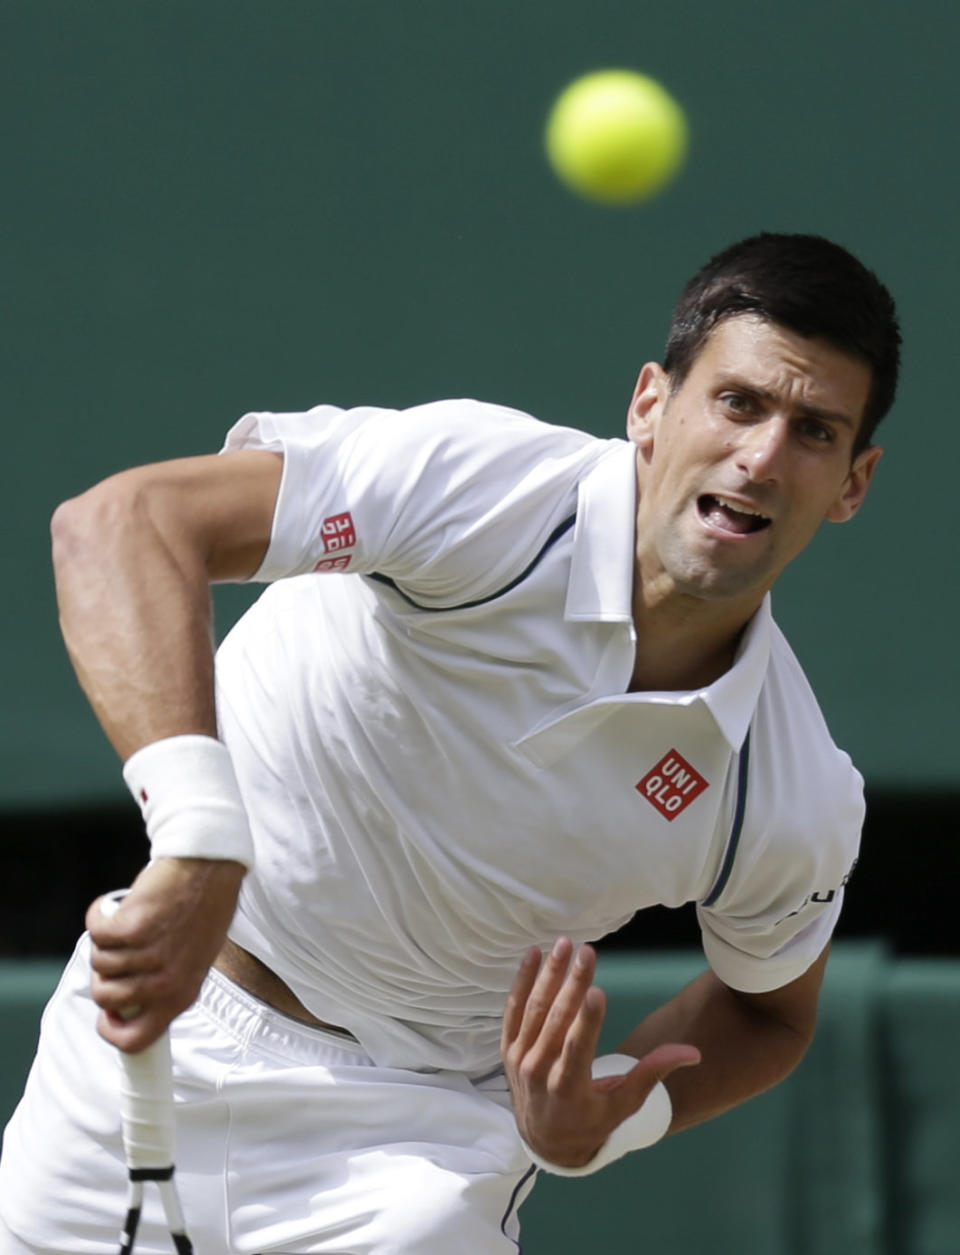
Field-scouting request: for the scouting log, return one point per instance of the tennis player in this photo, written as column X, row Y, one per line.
column 510, row 683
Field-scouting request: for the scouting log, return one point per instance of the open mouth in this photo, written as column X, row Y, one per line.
column 730, row 516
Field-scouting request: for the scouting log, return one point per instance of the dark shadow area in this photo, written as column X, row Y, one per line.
column 903, row 890
column 56, row 862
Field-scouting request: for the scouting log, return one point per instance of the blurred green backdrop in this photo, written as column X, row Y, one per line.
column 212, row 206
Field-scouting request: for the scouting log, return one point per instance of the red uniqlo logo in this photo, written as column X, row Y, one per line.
column 337, row 532
column 672, row 785
column 334, row 564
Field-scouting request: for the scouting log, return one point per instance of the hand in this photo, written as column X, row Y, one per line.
column 551, row 1027
column 150, row 958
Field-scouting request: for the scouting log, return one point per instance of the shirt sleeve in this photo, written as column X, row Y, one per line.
column 745, row 959
column 777, row 911
column 409, row 493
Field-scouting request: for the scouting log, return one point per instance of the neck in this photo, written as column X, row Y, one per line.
column 683, row 642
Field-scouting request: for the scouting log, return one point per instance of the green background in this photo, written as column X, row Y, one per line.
column 215, row 206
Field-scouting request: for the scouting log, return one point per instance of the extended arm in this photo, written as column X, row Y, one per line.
column 742, row 1044
column 133, row 559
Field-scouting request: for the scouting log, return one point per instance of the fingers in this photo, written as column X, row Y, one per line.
column 630, row 1090
column 545, row 989
column 118, row 964
column 119, row 994
column 553, row 1013
column 130, row 977
column 114, row 923
column 517, row 997
column 135, row 1034
column 582, row 1037
column 136, row 1006
column 151, row 956
column 571, row 1018
column 135, row 1010
column 663, row 1060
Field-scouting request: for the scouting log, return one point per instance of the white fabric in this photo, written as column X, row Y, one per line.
column 288, row 1138
column 432, row 790
column 187, row 791
column 648, row 1124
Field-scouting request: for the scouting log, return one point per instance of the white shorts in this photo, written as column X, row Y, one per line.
column 289, row 1139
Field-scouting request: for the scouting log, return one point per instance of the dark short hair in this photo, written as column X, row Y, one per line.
column 804, row 283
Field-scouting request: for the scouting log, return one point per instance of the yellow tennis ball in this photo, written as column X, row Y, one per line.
column 616, row 136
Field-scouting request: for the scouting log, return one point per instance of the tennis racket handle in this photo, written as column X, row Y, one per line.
column 146, row 1106
column 146, row 1093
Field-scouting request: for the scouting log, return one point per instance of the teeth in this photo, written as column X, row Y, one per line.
column 736, row 505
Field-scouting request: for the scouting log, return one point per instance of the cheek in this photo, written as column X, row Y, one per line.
column 686, row 443
column 805, row 523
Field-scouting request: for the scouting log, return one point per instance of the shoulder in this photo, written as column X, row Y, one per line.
column 493, row 436
column 464, row 413
column 417, row 492
column 435, row 447
column 494, row 485
column 460, row 419
column 794, row 731
column 805, row 794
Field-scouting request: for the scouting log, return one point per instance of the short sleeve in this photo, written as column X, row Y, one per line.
column 758, row 959
column 409, row 493
column 777, row 910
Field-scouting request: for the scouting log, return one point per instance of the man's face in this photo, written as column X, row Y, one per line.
column 738, row 468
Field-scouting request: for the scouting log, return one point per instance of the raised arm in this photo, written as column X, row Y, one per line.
column 133, row 559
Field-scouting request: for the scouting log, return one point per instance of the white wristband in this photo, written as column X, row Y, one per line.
column 642, row 1129
column 191, row 803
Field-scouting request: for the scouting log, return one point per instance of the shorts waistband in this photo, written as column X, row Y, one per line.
column 256, row 1024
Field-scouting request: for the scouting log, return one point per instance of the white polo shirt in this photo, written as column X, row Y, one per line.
column 441, row 761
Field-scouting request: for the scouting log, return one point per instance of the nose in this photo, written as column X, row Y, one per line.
column 761, row 450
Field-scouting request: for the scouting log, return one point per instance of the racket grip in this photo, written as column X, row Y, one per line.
column 146, row 1107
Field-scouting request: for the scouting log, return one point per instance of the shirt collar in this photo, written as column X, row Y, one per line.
column 601, row 588
column 732, row 699
column 601, row 571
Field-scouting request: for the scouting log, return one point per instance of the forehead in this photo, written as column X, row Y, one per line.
column 773, row 358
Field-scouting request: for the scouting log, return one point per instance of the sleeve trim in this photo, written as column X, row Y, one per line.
column 730, row 853
column 554, row 536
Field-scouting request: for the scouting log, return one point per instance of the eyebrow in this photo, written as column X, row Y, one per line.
column 807, row 411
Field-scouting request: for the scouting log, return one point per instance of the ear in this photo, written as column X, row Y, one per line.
column 646, row 405
column 855, row 485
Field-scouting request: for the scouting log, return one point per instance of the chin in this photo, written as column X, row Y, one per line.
column 707, row 582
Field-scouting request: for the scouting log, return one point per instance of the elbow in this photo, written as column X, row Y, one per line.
column 82, row 527
column 783, row 1035
column 794, row 1045
column 69, row 528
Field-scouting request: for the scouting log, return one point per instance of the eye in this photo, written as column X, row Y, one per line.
column 815, row 430
column 738, row 403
